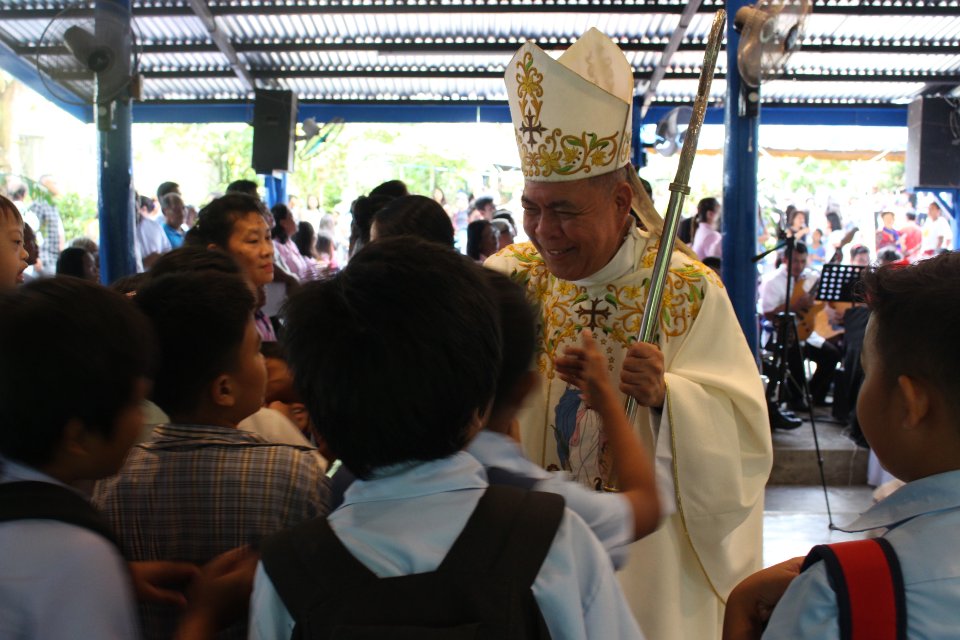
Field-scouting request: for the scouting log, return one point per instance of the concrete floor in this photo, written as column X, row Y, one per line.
column 795, row 518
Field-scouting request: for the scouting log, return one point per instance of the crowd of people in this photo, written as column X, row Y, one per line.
column 829, row 334
column 251, row 438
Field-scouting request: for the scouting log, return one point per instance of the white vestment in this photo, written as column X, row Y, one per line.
column 712, row 442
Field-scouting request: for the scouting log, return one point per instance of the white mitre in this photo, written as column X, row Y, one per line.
column 572, row 116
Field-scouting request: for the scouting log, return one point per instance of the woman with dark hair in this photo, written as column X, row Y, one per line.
column 798, row 224
column 413, row 216
column 235, row 223
column 287, row 252
column 482, row 240
column 707, row 241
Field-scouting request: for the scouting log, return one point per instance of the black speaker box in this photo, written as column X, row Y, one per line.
column 274, row 128
column 932, row 158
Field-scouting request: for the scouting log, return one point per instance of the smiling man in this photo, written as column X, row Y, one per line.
column 594, row 237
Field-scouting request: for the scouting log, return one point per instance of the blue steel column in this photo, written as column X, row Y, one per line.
column 276, row 189
column 115, row 164
column 739, row 195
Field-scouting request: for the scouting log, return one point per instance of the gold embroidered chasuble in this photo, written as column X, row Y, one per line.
column 712, row 440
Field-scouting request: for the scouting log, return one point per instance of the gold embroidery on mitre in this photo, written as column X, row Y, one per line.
column 561, row 153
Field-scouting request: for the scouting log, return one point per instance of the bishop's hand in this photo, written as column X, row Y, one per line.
column 642, row 375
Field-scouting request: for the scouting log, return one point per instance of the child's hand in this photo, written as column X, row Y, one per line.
column 586, row 368
column 162, row 582
column 220, row 594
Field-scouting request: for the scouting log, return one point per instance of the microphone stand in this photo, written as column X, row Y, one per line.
column 788, row 336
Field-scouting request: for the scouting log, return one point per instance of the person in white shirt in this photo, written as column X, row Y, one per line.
column 936, row 232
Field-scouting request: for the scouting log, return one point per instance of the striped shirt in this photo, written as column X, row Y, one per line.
column 51, row 228
column 192, row 492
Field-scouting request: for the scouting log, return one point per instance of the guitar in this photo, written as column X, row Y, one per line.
column 806, row 320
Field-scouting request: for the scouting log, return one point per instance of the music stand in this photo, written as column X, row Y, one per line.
column 838, row 282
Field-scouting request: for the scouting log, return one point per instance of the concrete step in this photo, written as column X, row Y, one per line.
column 795, row 518
column 795, row 456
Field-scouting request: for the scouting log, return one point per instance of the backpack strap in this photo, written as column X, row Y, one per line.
column 30, row 500
column 502, row 477
column 293, row 559
column 510, row 531
column 868, row 581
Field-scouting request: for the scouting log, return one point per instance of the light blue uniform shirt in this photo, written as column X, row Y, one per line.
column 58, row 580
column 608, row 515
column 923, row 521
column 406, row 522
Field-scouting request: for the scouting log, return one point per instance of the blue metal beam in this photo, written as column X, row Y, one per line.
column 740, row 160
column 28, row 75
column 276, row 188
column 115, row 159
column 497, row 112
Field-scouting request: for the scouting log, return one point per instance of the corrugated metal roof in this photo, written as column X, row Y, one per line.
column 854, row 52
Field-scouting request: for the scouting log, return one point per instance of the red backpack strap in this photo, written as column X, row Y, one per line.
column 867, row 579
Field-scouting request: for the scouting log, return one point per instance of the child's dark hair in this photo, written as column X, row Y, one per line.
column 415, row 216
column 8, row 209
column 128, row 285
column 390, row 188
column 395, row 355
column 518, row 328
column 192, row 260
column 70, row 262
column 246, row 187
column 200, row 320
column 69, row 349
column 915, row 311
column 215, row 221
column 475, row 237
column 363, row 209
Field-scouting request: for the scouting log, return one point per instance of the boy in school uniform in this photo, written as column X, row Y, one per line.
column 617, row 519
column 199, row 486
column 57, row 579
column 909, row 410
column 398, row 393
column 13, row 253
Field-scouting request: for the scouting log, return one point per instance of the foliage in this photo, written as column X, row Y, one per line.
column 227, row 151
column 76, row 212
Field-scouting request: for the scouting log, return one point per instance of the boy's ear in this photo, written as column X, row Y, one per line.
column 916, row 400
column 75, row 438
column 479, row 420
column 222, row 391
column 526, row 385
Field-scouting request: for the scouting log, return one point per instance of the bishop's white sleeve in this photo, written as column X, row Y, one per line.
column 663, row 463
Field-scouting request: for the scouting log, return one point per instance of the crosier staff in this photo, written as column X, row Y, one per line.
column 679, row 189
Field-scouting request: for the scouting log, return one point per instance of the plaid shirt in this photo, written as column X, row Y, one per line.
column 192, row 492
column 51, row 228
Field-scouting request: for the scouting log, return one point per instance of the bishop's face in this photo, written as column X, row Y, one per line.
column 577, row 227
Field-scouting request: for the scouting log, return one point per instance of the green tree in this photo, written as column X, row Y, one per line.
column 76, row 213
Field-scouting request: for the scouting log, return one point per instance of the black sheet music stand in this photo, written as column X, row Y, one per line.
column 838, row 283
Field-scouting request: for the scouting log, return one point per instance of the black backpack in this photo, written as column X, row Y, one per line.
column 481, row 590
column 30, row 500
